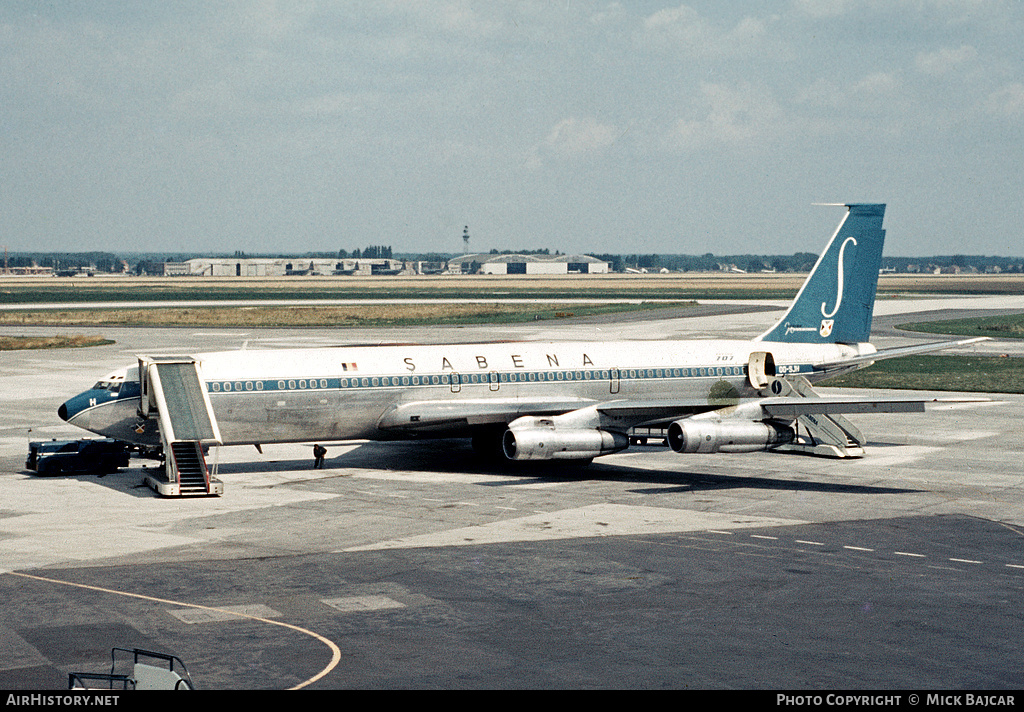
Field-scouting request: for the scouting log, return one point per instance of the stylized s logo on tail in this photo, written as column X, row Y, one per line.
column 839, row 281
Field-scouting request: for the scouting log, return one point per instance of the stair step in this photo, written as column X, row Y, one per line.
column 191, row 467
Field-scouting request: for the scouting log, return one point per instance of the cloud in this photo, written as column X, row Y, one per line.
column 955, row 9
column 876, row 86
column 822, row 8
column 575, row 137
column 682, row 29
column 945, row 60
column 1007, row 102
column 730, row 115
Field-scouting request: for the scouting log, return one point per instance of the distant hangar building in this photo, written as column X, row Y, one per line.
column 282, row 267
column 527, row 264
column 467, row 264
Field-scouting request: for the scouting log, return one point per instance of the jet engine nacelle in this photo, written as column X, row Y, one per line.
column 549, row 443
column 706, row 435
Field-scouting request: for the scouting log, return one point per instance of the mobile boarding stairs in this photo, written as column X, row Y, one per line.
column 173, row 394
column 821, row 434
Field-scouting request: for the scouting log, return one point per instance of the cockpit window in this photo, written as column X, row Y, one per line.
column 112, row 386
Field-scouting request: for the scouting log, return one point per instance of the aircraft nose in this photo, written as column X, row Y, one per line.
column 71, row 408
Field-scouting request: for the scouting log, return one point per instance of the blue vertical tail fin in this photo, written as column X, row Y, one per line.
column 836, row 302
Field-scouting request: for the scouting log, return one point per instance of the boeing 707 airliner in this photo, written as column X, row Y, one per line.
column 573, row 400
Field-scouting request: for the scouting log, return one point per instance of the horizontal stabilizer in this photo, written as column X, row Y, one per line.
column 896, row 353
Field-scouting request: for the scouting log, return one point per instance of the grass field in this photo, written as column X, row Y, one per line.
column 983, row 374
column 384, row 315
column 16, row 343
column 153, row 289
column 1000, row 327
column 940, row 372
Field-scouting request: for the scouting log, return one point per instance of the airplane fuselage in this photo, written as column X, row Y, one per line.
column 346, row 393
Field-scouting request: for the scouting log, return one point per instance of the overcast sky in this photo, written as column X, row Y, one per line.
column 651, row 127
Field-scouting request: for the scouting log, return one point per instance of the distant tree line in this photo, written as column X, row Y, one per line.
column 542, row 251
column 373, row 252
column 803, row 262
column 152, row 263
column 100, row 261
column 708, row 262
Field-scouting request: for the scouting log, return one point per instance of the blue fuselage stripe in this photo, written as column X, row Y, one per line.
column 280, row 385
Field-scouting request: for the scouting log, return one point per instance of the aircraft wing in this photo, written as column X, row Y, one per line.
column 828, row 405
column 896, row 353
column 432, row 416
column 652, row 413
